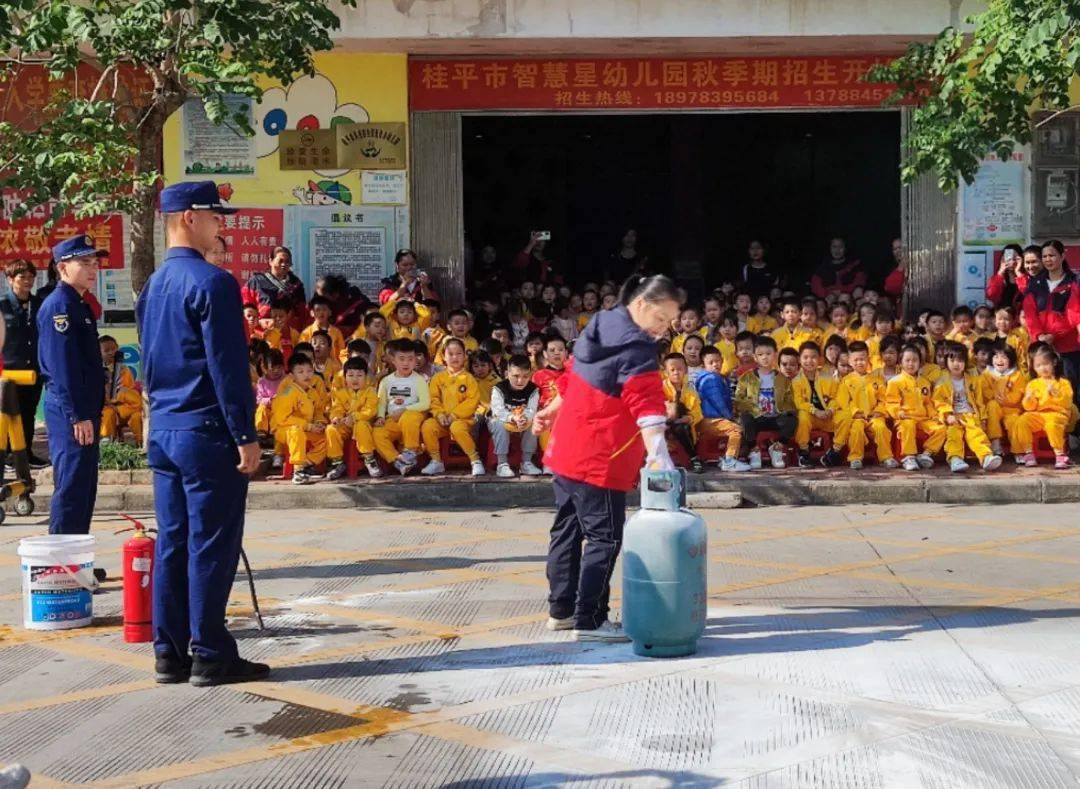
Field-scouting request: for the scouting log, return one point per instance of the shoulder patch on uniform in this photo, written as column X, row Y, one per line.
column 61, row 323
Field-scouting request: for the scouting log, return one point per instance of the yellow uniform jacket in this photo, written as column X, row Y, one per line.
column 362, row 404
column 761, row 324
column 860, row 394
column 1053, row 396
column 1010, row 387
column 337, row 339
column 826, row 390
column 291, row 406
column 912, row 395
column 118, row 377
column 680, row 339
column 974, row 387
column 397, row 330
column 456, row 394
column 790, row 338
column 688, row 400
column 471, row 345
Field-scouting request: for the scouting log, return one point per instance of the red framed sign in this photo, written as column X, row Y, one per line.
column 628, row 84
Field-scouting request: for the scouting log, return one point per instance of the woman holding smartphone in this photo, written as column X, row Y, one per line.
column 1006, row 288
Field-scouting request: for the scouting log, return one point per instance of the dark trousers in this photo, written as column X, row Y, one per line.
column 580, row 580
column 29, row 397
column 684, row 435
column 784, row 424
column 199, row 500
column 1071, row 364
column 75, row 475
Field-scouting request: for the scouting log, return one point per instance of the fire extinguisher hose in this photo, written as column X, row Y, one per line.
column 251, row 586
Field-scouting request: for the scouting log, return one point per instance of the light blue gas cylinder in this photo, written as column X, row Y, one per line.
column 665, row 569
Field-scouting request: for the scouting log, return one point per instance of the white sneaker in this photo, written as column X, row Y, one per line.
column 373, row 469
column 776, row 456
column 478, row 469
column 608, row 633
column 548, row 472
column 891, row 463
column 560, row 624
column 755, row 459
column 432, row 468
column 910, row 463
column 733, row 464
column 856, row 465
column 991, row 462
column 924, row 460
column 995, row 446
column 530, row 469
column 957, row 465
column 504, row 470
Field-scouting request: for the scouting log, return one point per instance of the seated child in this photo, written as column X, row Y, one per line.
column 963, row 326
column 789, row 363
column 424, row 365
column 1013, row 335
column 355, row 349
column 839, row 316
column 353, row 406
column 534, row 349
column 406, row 319
column 683, row 409
column 266, row 388
column 590, row 305
column 725, row 342
column 322, row 320
column 834, row 346
column 496, row 351
column 325, row 360
column 689, row 324
column 404, row 399
column 455, row 395
column 763, row 401
column 813, row 395
column 692, row 350
column 744, row 354
column 712, row 314
column 718, row 417
column 984, row 322
column 374, row 330
column 860, row 408
column 1048, row 406
column 280, row 336
column 790, row 334
column 742, row 303
column 457, row 324
column 298, row 423
column 1005, row 393
column 123, row 402
column 547, row 378
column 960, row 405
column 252, row 327
column 911, row 407
column 762, row 322
column 486, row 378
column 863, row 328
column 808, row 322
column 883, row 327
column 513, row 405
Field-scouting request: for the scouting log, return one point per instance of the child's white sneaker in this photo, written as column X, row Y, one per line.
column 478, row 469
column 432, row 468
column 892, row 463
column 405, row 462
column 957, row 465
column 548, row 472
column 608, row 632
column 776, row 456
column 755, row 459
column 991, row 462
column 733, row 464
column 336, row 470
column 856, row 465
column 995, row 446
column 373, row 469
column 924, row 461
column 910, row 463
column 504, row 470
column 530, row 469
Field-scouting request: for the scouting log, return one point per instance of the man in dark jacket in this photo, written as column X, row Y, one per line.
column 19, row 308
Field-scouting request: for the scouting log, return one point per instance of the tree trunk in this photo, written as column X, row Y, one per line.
column 147, row 161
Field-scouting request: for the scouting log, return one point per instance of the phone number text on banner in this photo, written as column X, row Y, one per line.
column 644, row 83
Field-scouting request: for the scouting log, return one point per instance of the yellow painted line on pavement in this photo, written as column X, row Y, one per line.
column 77, row 696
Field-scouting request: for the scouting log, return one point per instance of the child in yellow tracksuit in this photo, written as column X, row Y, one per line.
column 325, row 360
column 482, row 369
column 910, row 404
column 860, row 408
column 281, row 336
column 813, row 395
column 455, row 394
column 405, row 319
column 1004, row 390
column 457, row 325
column 683, row 408
column 1014, row 336
column 299, row 425
column 689, row 324
column 404, row 400
column 960, row 405
column 123, row 403
column 1048, row 406
column 353, row 406
column 321, row 313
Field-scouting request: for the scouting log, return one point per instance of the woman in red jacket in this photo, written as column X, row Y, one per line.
column 611, row 410
column 1052, row 310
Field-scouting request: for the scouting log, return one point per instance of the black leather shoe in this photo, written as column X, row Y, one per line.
column 170, row 670
column 100, row 575
column 37, row 463
column 206, row 673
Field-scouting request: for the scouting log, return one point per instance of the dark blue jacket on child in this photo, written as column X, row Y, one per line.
column 715, row 394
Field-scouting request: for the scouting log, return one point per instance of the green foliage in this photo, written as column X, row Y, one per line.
column 118, row 456
column 975, row 93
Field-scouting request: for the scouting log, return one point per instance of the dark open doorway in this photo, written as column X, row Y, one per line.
column 695, row 187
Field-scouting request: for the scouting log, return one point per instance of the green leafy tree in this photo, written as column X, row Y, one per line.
column 974, row 92
column 97, row 146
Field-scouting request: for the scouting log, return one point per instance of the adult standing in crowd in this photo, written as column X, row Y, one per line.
column 627, row 260
column 52, row 279
column 756, row 277
column 347, row 303
column 1052, row 310
column 533, row 265
column 1008, row 286
column 610, row 412
column 70, row 362
column 407, row 282
column 219, row 253
column 202, row 444
column 278, row 285
column 837, row 273
column 19, row 308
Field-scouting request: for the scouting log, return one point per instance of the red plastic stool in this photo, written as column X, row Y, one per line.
column 452, row 454
column 1040, row 447
column 767, row 438
column 711, row 447
column 820, row 443
column 352, row 460
column 514, row 458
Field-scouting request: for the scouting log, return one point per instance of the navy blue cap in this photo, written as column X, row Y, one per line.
column 76, row 247
column 194, row 196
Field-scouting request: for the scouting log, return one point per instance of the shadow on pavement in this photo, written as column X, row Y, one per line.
column 369, row 567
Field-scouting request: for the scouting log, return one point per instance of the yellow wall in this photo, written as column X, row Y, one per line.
column 361, row 87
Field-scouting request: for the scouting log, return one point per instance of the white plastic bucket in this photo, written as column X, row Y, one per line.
column 58, row 581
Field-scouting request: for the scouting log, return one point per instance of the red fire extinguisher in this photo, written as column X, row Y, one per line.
column 138, row 585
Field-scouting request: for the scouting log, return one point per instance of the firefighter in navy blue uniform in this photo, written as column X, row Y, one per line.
column 202, row 441
column 70, row 362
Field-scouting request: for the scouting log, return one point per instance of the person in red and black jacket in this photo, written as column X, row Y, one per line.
column 837, row 274
column 278, row 285
column 1008, row 286
column 610, row 410
column 1052, row 310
